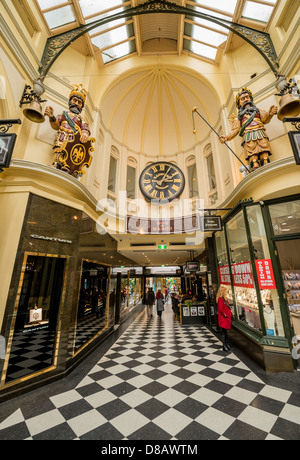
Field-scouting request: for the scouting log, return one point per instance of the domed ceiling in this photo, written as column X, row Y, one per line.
column 150, row 110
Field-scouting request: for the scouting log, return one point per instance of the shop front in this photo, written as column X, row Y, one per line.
column 62, row 296
column 254, row 263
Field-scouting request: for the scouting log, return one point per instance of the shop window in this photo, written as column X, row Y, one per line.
column 289, row 255
column 244, row 294
column 33, row 344
column 285, row 217
column 112, row 174
column 265, row 273
column 92, row 306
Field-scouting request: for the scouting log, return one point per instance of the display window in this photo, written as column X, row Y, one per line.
column 92, row 305
column 35, row 322
column 285, row 218
column 289, row 255
column 244, row 293
column 265, row 273
column 246, row 266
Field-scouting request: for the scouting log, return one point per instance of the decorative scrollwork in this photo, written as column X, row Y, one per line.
column 261, row 41
column 5, row 129
column 296, row 124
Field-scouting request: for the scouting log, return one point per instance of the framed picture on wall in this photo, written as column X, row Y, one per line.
column 294, row 137
column 7, row 143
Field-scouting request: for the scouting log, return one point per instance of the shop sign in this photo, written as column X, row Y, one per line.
column 211, row 223
column 265, row 274
column 161, row 226
column 241, row 274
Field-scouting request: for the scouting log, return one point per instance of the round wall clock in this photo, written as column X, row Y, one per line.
column 162, row 181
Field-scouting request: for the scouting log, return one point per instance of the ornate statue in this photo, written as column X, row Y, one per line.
column 72, row 145
column 249, row 124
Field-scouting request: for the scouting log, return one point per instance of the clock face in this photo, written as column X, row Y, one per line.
column 162, row 181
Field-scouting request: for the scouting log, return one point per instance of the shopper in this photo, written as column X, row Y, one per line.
column 175, row 306
column 224, row 316
column 159, row 303
column 150, row 299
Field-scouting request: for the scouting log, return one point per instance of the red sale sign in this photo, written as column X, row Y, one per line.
column 224, row 275
column 265, row 274
column 241, row 274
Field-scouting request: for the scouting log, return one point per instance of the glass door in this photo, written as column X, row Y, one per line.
column 289, row 256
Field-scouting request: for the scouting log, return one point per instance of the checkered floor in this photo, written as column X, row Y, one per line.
column 162, row 381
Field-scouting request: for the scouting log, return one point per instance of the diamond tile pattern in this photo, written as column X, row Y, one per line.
column 162, row 381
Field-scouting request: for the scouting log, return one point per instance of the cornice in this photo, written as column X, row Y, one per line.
column 43, row 179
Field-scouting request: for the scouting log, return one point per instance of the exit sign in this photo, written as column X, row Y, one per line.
column 162, row 246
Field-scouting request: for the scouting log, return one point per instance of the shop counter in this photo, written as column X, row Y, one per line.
column 193, row 313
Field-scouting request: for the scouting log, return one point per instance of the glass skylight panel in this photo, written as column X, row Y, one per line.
column 45, row 4
column 118, row 52
column 227, row 6
column 200, row 49
column 112, row 37
column 90, row 7
column 107, row 25
column 257, row 11
column 60, row 17
column 211, row 24
column 207, row 36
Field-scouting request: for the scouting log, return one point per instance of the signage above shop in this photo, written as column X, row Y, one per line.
column 168, row 226
column 50, row 238
column 192, row 266
column 210, row 223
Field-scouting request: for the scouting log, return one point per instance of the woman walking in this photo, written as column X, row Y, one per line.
column 159, row 303
column 224, row 316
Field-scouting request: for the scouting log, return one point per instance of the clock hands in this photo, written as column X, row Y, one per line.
column 161, row 181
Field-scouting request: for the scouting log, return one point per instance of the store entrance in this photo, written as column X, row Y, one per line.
column 167, row 285
column 289, row 256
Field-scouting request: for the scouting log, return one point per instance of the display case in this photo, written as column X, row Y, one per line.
column 291, row 279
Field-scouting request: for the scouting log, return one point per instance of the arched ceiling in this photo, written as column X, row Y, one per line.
column 150, row 110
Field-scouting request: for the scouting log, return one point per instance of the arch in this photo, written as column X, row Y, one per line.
column 57, row 44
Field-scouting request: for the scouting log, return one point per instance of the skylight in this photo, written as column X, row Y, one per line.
column 65, row 16
column 257, row 11
column 117, row 39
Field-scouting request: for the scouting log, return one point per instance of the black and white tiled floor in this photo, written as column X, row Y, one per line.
column 161, row 381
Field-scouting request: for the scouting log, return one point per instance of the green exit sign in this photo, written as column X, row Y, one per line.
column 162, row 246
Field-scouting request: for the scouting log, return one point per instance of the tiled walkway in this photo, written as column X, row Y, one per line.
column 159, row 381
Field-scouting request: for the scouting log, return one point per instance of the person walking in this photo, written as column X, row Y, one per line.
column 175, row 306
column 159, row 303
column 224, row 316
column 150, row 299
